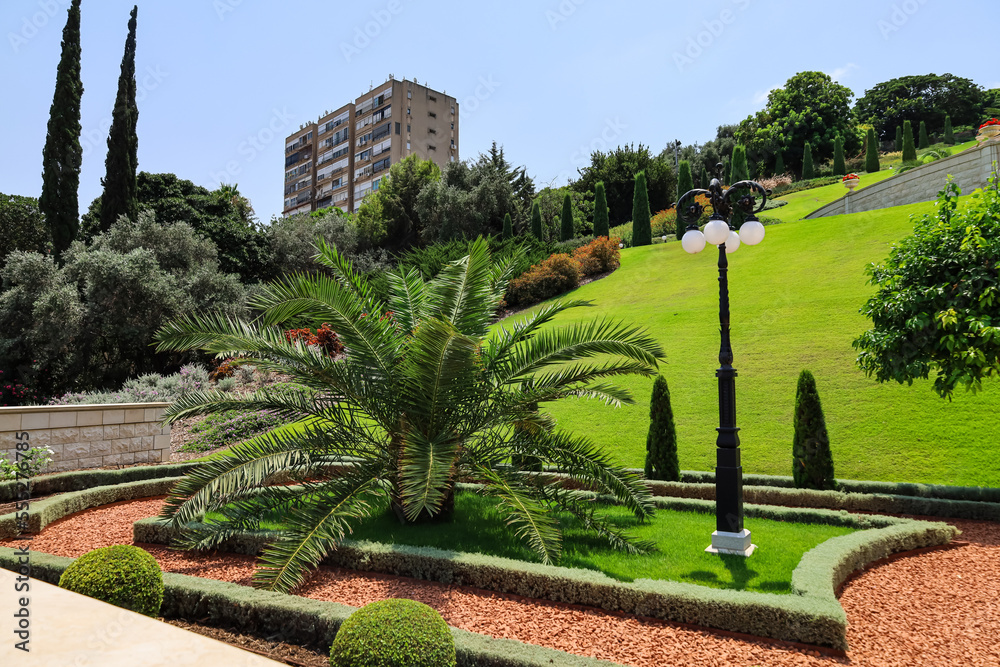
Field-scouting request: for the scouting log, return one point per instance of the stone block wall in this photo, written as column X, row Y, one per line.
column 89, row 436
column 970, row 168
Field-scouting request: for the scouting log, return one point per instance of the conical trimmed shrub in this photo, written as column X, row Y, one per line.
column 909, row 151
column 601, row 227
column 661, row 443
column 923, row 141
column 706, row 180
column 536, row 221
column 812, row 466
column 898, row 144
column 839, row 168
column 508, row 227
column 807, row 163
column 779, row 164
column 871, row 152
column 684, row 184
column 566, row 232
column 642, row 232
column 949, row 131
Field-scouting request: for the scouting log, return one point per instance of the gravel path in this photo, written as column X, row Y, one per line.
column 936, row 608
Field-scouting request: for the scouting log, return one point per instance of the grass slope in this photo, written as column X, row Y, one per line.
column 795, row 301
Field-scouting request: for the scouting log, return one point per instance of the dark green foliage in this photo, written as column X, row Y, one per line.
column 642, row 232
column 871, row 152
column 566, row 231
column 601, row 225
column 661, row 442
column 923, row 141
column 909, row 150
column 63, row 155
column 292, row 240
column 508, row 227
column 812, row 465
column 779, row 164
column 684, row 184
column 705, row 178
column 388, row 218
column 898, row 144
column 739, row 172
column 22, row 226
column 839, row 168
column 949, row 132
column 807, row 163
column 393, row 633
column 931, row 309
column 550, row 205
column 122, row 575
column 536, row 221
column 617, row 170
column 120, row 185
column 928, row 97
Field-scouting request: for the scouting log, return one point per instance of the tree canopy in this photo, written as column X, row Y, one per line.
column 927, row 97
column 617, row 169
column 937, row 308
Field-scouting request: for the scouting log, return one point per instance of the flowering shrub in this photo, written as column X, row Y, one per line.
column 664, row 222
column 776, row 181
column 13, row 392
column 599, row 256
column 325, row 338
column 224, row 370
column 29, row 464
column 850, row 177
column 229, row 427
column 991, row 121
column 555, row 275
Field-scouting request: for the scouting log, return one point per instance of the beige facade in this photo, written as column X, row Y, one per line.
column 342, row 157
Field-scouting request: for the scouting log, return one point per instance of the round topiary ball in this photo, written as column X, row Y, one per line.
column 122, row 575
column 393, row 633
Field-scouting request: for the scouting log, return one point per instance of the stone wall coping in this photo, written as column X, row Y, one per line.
column 80, row 407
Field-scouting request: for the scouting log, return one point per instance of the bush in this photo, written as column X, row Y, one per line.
column 600, row 255
column 798, row 186
column 22, row 226
column 557, row 274
column 872, row 164
column 807, row 163
column 230, row 427
column 813, row 463
column 25, row 464
column 122, row 575
column 661, row 442
column 393, row 633
column 909, row 150
column 148, row 388
column 292, row 240
column 923, row 141
column 642, row 233
column 600, row 210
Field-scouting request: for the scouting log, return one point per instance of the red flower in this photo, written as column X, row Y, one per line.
column 991, row 121
column 850, row 177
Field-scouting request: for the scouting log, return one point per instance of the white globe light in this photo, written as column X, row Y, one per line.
column 716, row 232
column 752, row 232
column 732, row 243
column 693, row 241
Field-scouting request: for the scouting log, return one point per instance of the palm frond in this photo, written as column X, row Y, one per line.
column 427, row 473
column 343, row 270
column 462, row 294
column 531, row 520
column 574, row 502
column 503, row 340
column 407, row 293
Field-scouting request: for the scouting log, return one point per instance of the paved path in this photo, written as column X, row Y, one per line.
column 71, row 630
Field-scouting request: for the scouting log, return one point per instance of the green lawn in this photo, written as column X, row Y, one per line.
column 680, row 538
column 795, row 300
column 801, row 204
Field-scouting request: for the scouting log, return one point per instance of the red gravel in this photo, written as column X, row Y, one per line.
column 937, row 608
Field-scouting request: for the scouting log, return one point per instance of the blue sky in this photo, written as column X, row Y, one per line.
column 222, row 82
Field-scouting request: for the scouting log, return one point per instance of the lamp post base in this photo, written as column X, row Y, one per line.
column 735, row 544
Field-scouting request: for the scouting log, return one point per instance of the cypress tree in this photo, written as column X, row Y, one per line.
column 779, row 164
column 566, row 232
column 807, row 163
column 812, row 461
column 642, row 232
column 63, row 155
column 120, row 196
column 508, row 228
column 909, row 152
column 871, row 152
column 706, row 180
column 729, row 172
column 600, row 211
column 536, row 221
column 839, row 168
column 661, row 442
column 898, row 145
column 949, row 132
column 738, row 165
column 923, row 141
column 684, row 184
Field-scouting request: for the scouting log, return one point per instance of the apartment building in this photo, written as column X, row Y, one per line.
column 346, row 153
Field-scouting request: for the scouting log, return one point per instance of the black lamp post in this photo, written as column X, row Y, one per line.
column 730, row 536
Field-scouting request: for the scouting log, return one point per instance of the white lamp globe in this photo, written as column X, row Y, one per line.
column 693, row 241
column 732, row 243
column 716, row 232
column 752, row 232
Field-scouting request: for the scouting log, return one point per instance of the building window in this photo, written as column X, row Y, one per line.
column 407, row 145
column 432, row 114
column 407, row 111
column 409, row 94
column 453, row 126
column 431, row 147
column 452, row 109
column 397, row 129
column 432, row 98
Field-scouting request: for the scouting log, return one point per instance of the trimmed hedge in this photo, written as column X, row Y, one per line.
column 123, row 575
column 43, row 512
column 299, row 620
column 810, row 615
column 394, row 633
column 79, row 480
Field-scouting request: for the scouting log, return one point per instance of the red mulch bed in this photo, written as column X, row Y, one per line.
column 934, row 608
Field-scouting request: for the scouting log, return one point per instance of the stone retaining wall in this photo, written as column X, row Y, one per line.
column 971, row 168
column 89, row 436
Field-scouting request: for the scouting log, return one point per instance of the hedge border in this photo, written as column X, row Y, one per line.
column 300, row 620
column 43, row 512
column 78, row 480
column 811, row 614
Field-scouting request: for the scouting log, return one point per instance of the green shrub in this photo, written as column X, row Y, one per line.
column 229, row 427
column 871, row 153
column 839, row 168
column 923, row 141
column 393, row 633
column 798, row 186
column 813, row 463
column 642, row 233
column 898, row 144
column 661, row 442
column 122, row 575
column 684, row 184
column 623, row 233
column 779, row 164
column 566, row 231
column 909, row 150
column 949, row 132
column 600, row 210
column 807, row 163
column 536, row 221
column 508, row 228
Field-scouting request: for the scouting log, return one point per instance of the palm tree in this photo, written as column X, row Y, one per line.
column 426, row 395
